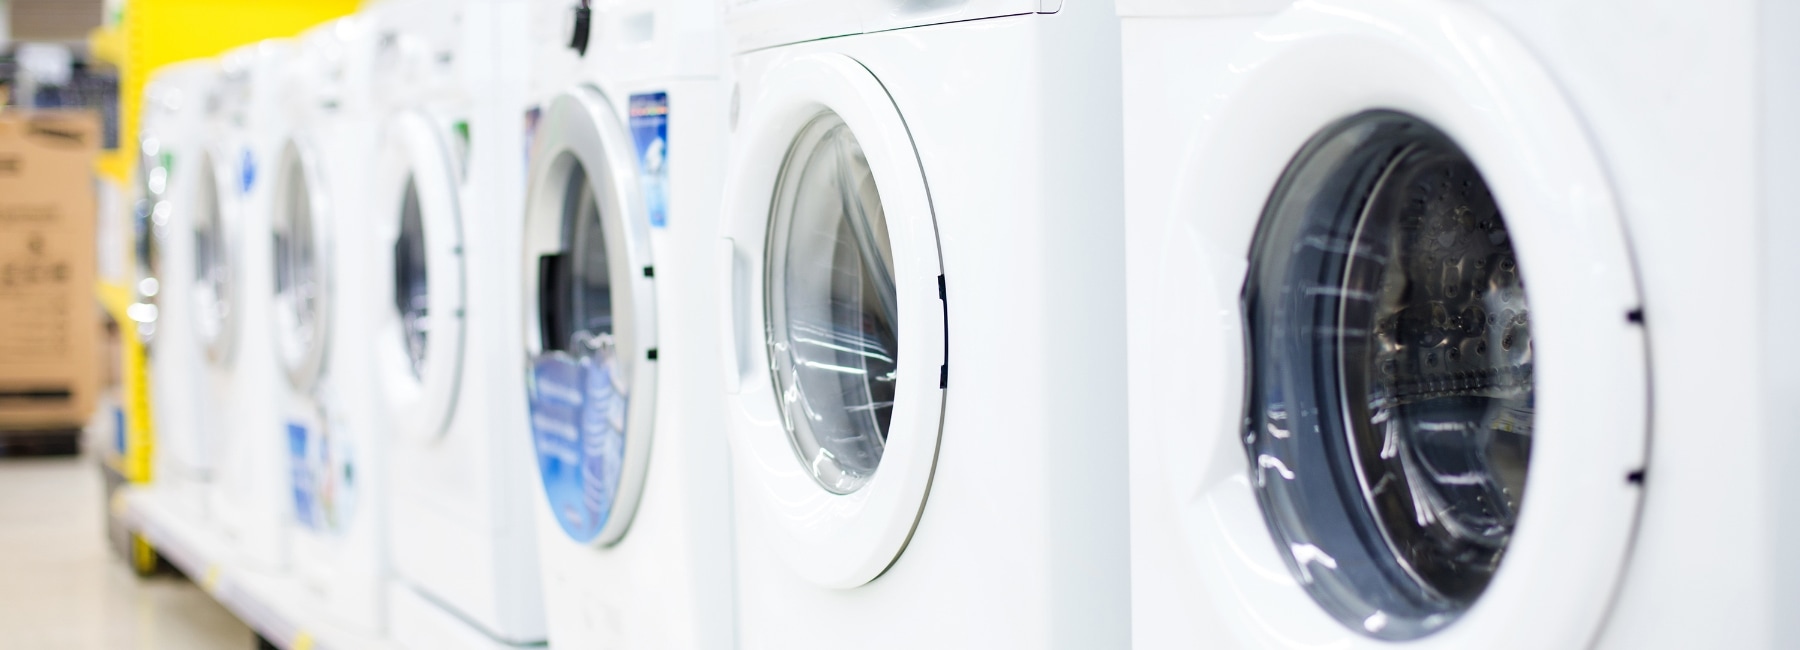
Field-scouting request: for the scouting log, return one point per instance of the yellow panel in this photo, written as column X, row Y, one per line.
column 114, row 297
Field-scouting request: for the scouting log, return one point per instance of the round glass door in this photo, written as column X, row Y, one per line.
column 592, row 351
column 300, row 271
column 212, row 290
column 150, row 217
column 581, row 372
column 1391, row 391
column 832, row 307
column 588, row 320
column 828, row 234
column 419, row 248
column 412, row 288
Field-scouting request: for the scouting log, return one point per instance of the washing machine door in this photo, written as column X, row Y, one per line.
column 301, row 227
column 591, row 317
column 1392, row 368
column 214, row 286
column 418, row 221
column 836, row 346
column 1438, row 402
column 150, row 218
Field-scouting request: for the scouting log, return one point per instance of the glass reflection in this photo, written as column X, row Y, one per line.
column 412, row 289
column 1391, row 393
column 833, row 323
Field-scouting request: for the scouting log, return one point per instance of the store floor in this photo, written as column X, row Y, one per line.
column 62, row 587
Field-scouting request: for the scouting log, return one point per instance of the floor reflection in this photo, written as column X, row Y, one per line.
column 61, row 587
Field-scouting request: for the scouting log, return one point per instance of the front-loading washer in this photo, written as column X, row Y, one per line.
column 322, row 321
column 177, row 189
column 1699, row 142
column 234, row 282
column 620, row 326
column 1403, row 277
column 444, row 225
column 924, row 328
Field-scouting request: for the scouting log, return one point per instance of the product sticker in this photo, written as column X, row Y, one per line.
column 300, row 465
column 650, row 130
column 246, row 172
column 119, row 431
column 322, row 461
column 334, row 464
column 578, row 409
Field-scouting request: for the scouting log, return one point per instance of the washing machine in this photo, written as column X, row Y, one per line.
column 321, row 320
column 234, row 302
column 177, row 190
column 924, row 353
column 1352, row 225
column 444, row 231
column 619, row 326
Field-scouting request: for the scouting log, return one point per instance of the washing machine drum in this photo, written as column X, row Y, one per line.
column 592, row 347
column 832, row 307
column 1391, row 391
column 212, row 281
column 418, row 332
column 302, row 283
column 150, row 218
column 412, row 286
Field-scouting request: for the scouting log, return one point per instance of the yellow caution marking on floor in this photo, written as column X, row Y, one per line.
column 302, row 641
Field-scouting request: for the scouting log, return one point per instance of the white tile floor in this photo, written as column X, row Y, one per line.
column 61, row 587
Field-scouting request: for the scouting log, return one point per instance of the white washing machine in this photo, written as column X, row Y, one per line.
column 1342, row 431
column 177, row 182
column 444, row 228
column 620, row 325
column 925, row 346
column 252, row 497
column 322, row 321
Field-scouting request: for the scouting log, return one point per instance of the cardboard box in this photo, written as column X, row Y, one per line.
column 49, row 330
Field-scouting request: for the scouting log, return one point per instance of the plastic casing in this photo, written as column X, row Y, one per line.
column 996, row 517
column 331, row 109
column 757, row 24
column 664, row 579
column 252, row 498
column 175, row 117
column 1588, row 127
column 460, row 530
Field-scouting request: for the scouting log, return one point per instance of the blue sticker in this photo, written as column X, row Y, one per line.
column 322, row 471
column 578, row 429
column 119, row 430
column 247, row 172
column 300, row 466
column 650, row 130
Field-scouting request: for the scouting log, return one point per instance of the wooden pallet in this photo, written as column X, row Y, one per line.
column 40, row 442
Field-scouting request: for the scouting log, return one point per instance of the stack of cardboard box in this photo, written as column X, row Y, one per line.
column 50, row 327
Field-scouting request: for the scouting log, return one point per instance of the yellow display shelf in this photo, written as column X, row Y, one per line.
column 143, row 37
column 134, row 394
